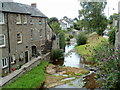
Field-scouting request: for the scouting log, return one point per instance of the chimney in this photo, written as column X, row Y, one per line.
column 34, row 5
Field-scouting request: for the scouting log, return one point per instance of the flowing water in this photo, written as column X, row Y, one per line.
column 72, row 59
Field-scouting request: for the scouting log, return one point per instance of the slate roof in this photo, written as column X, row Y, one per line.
column 14, row 7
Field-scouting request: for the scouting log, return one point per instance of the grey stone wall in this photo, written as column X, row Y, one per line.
column 27, row 40
column 117, row 41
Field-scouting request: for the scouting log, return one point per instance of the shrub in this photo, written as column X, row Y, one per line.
column 68, row 39
column 81, row 38
column 112, row 36
column 57, row 54
column 108, row 67
column 70, row 36
column 100, row 31
column 62, row 40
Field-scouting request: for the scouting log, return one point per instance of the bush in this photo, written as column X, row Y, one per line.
column 108, row 65
column 57, row 54
column 62, row 40
column 68, row 39
column 70, row 36
column 100, row 31
column 112, row 36
column 81, row 38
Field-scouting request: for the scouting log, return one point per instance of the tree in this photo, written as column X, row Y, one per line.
column 56, row 27
column 52, row 19
column 93, row 17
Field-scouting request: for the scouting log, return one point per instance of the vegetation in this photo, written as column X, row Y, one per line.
column 87, row 50
column 108, row 64
column 81, row 38
column 62, row 40
column 112, row 36
column 56, row 54
column 31, row 79
column 93, row 17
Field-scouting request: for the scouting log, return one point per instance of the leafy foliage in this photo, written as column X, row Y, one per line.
column 108, row 64
column 93, row 17
column 56, row 54
column 62, row 40
column 81, row 38
column 112, row 36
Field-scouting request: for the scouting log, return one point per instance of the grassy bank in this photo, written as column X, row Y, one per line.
column 31, row 79
column 87, row 50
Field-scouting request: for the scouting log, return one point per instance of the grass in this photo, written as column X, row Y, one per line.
column 87, row 50
column 31, row 79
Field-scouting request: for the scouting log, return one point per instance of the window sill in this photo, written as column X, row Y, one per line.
column 4, row 67
column 18, row 23
column 2, row 23
column 2, row 46
column 12, row 63
column 19, row 42
column 25, row 23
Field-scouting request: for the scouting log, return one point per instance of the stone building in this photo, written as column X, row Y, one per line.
column 117, row 41
column 24, row 33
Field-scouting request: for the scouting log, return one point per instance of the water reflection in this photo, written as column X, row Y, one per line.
column 71, row 58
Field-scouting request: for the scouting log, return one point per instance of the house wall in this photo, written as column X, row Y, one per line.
column 27, row 40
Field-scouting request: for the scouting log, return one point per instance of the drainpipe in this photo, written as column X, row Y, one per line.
column 9, row 51
column 45, row 30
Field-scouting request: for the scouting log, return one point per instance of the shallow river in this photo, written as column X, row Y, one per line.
column 72, row 59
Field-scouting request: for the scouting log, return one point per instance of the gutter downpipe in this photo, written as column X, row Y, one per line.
column 9, row 50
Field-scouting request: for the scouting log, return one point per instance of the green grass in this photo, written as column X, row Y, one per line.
column 87, row 50
column 30, row 79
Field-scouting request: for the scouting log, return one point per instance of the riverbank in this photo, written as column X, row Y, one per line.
column 31, row 79
column 87, row 51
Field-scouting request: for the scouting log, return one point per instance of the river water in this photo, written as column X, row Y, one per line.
column 72, row 59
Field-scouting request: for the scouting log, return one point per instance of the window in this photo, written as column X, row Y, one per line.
column 2, row 40
column 31, row 32
column 1, row 18
column 19, row 38
column 4, row 62
column 25, row 19
column 18, row 19
column 12, row 59
column 40, row 32
column 40, row 21
column 21, row 57
column 31, row 20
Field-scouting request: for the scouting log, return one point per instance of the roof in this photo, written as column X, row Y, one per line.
column 14, row 7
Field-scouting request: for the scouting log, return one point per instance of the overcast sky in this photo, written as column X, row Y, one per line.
column 69, row 8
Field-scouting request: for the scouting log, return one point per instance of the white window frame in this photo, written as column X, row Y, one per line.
column 20, row 37
column 4, row 40
column 2, row 18
column 18, row 19
column 25, row 19
column 5, row 61
column 13, row 57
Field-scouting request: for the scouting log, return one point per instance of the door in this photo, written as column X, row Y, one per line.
column 26, row 56
column 34, row 51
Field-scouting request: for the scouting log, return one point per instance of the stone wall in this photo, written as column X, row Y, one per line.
column 117, row 41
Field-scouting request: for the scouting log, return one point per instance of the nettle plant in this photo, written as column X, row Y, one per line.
column 108, row 65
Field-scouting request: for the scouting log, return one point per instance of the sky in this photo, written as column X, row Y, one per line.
column 69, row 8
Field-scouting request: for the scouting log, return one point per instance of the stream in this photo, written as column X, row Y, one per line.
column 72, row 59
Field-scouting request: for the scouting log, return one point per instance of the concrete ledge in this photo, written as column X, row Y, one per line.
column 16, row 74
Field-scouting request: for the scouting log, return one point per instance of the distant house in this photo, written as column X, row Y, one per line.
column 66, row 23
column 63, row 25
column 24, row 35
